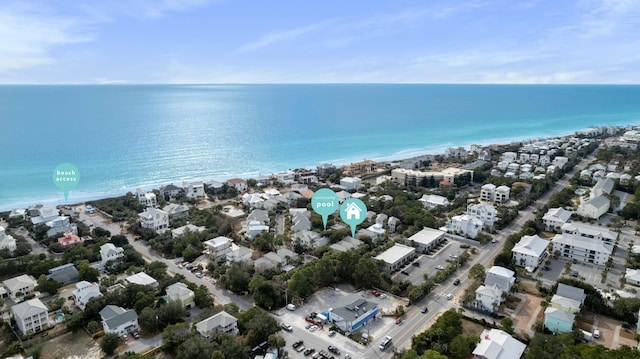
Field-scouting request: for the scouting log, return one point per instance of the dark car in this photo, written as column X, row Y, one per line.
column 309, row 351
column 416, row 263
column 424, row 310
column 456, row 282
column 625, row 325
column 334, row 350
column 575, row 274
column 297, row 344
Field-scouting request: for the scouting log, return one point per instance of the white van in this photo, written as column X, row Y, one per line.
column 596, row 334
column 291, row 306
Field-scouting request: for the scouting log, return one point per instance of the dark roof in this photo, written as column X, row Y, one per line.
column 64, row 274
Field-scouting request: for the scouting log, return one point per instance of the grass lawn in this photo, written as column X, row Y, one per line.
column 471, row 328
column 71, row 345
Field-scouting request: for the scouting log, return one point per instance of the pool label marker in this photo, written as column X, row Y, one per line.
column 325, row 202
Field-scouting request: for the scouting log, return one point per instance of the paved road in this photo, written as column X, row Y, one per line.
column 417, row 322
column 222, row 296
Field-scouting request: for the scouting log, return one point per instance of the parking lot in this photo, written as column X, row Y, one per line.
column 429, row 263
column 319, row 339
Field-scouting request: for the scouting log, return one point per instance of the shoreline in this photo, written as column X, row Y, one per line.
column 400, row 156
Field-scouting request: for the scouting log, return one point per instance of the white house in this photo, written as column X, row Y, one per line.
column 584, row 242
column 146, row 198
column 142, row 278
column 109, row 252
column 488, row 297
column 396, row 257
column 497, row 344
column 485, row 212
column 180, row 291
column 310, row 239
column 500, row 277
column 239, row 184
column 154, row 218
column 222, row 322
column 466, row 225
column 632, row 276
column 530, row 251
column 239, row 254
column 594, row 207
column 31, row 316
column 176, row 211
column 254, row 228
column 84, row 292
column 117, row 320
column 602, row 187
column 6, row 241
column 180, row 231
column 194, row 190
column 286, row 177
column 218, row 248
column 351, row 183
column 169, row 191
column 432, row 201
column 20, row 286
column 555, row 218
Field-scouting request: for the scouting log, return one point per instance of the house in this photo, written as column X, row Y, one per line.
column 270, row 260
column 254, row 228
column 180, row 291
column 146, row 198
column 594, row 207
column 500, row 277
column 84, row 292
column 498, row 344
column 109, row 252
column 484, row 212
column 310, row 239
column 222, row 322
column 20, row 287
column 239, row 254
column 31, row 316
column 487, row 192
column 488, row 298
column 169, row 192
column 154, row 218
column 7, row 241
column 431, row 201
column 176, row 211
column 69, row 240
column 396, row 257
column 584, row 242
column 239, row 184
column 558, row 320
column 117, row 320
column 555, row 218
column 466, row 225
column 41, row 214
column 350, row 183
column 142, row 278
column 346, row 244
column 343, row 196
column 64, row 274
column 218, row 248
column 603, row 187
column 194, row 190
column 351, row 312
column 571, row 292
column 259, row 215
column 181, row 231
column 286, row 177
column 392, row 224
column 632, row 276
column 530, row 251
column 426, row 239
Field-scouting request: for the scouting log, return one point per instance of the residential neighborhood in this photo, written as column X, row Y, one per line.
column 511, row 246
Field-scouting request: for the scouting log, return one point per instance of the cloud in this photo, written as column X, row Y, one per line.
column 29, row 36
column 155, row 9
column 276, row 37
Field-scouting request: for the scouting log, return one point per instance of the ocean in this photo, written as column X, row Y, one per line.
column 121, row 137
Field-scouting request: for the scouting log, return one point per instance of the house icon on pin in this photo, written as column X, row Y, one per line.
column 353, row 211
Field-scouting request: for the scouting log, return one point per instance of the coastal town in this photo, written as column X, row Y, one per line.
column 519, row 250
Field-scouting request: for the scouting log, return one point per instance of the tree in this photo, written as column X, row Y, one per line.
column 477, row 272
column 47, row 285
column 195, row 348
column 462, row 346
column 367, row 274
column 94, row 327
column 506, row 324
column 76, row 321
column 171, row 312
column 276, row 341
column 148, row 320
column 237, row 279
column 110, row 343
column 88, row 273
column 174, row 335
column 119, row 240
column 156, row 269
column 202, row 298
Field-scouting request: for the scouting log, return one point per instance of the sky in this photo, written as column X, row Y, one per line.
column 328, row 41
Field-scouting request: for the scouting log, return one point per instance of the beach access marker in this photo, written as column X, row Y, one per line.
column 66, row 177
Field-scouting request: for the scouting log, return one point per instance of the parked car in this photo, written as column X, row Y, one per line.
column 297, row 344
column 416, row 263
column 575, row 274
column 375, row 292
column 596, row 334
column 309, row 351
column 439, row 267
column 136, row 335
column 625, row 325
column 334, row 350
column 286, row 327
column 382, row 296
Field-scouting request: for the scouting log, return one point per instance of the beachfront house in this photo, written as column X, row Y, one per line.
column 239, row 184
column 194, row 189
column 154, row 218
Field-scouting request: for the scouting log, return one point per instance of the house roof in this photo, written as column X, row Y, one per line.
column 557, row 214
column 221, row 319
column 584, row 243
column 604, row 185
column 217, row 242
column 559, row 314
column 501, row 272
column 66, row 274
column 497, row 344
column 598, row 202
column 568, row 291
column 114, row 316
column 531, row 246
column 15, row 283
column 395, row 253
column 141, row 278
column 259, row 215
column 632, row 274
column 173, row 208
column 180, row 231
column 489, row 291
column 109, row 249
column 179, row 290
column 565, row 302
column 588, row 229
column 29, row 308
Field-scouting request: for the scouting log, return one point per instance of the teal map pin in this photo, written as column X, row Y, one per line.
column 325, row 202
column 66, row 177
column 353, row 212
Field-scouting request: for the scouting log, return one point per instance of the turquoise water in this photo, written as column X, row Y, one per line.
column 123, row 137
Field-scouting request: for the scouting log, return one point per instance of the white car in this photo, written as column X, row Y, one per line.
column 439, row 267
column 382, row 296
column 449, row 296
